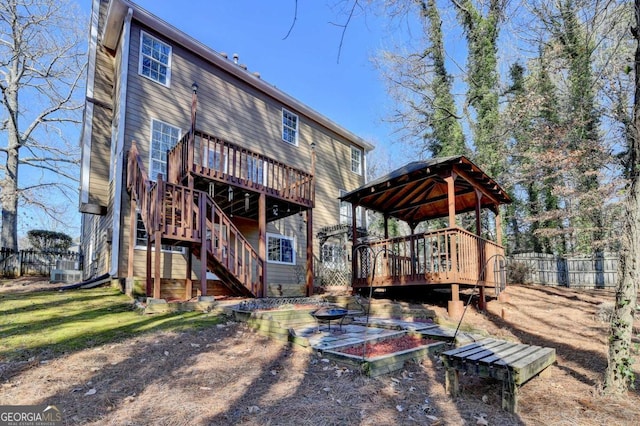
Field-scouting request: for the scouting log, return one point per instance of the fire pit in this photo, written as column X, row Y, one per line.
column 328, row 314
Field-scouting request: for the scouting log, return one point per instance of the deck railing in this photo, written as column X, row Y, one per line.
column 445, row 256
column 211, row 157
column 143, row 189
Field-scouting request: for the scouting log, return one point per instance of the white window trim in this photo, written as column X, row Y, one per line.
column 297, row 129
column 293, row 247
column 140, row 57
column 359, row 171
column 137, row 246
column 152, row 177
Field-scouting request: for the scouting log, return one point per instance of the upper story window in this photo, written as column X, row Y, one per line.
column 289, row 127
column 356, row 160
column 163, row 138
column 155, row 59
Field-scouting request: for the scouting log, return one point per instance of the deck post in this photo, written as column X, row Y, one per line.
column 149, row 275
column 262, row 241
column 455, row 305
column 386, row 227
column 481, row 253
column 188, row 283
column 309, row 272
column 202, row 205
column 133, row 219
column 156, row 264
column 354, row 243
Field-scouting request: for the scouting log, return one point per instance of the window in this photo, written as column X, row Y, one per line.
column 155, row 59
column 289, row 127
column 255, row 170
column 163, row 138
column 280, row 249
column 345, row 212
column 356, row 160
column 212, row 160
column 330, row 253
column 141, row 237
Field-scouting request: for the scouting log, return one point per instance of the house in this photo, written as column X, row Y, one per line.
column 197, row 176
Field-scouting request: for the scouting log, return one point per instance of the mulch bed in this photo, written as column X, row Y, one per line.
column 387, row 346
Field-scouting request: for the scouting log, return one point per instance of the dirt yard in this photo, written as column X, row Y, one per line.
column 228, row 375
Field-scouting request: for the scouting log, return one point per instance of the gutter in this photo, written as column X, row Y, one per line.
column 119, row 151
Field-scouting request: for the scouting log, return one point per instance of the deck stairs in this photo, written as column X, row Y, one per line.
column 186, row 217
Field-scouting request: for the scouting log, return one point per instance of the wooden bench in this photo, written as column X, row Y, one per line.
column 512, row 363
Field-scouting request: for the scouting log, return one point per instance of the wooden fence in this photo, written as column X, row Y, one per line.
column 597, row 271
column 32, row 262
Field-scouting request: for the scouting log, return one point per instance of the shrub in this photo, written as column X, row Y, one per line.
column 49, row 240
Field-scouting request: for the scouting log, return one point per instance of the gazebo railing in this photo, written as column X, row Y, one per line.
column 444, row 256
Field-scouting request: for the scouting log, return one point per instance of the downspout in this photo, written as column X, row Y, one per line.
column 119, row 155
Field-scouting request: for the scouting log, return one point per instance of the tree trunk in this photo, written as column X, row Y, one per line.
column 9, row 235
column 619, row 375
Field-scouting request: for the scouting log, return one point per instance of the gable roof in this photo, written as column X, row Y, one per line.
column 115, row 16
column 417, row 191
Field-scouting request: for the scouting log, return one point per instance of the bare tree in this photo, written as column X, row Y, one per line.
column 42, row 62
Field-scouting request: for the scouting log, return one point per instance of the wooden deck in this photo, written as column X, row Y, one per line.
column 512, row 363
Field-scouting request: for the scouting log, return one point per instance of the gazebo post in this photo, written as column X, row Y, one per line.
column 455, row 305
column 482, row 305
column 354, row 241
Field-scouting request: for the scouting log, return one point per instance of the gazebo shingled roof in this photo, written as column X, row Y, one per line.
column 418, row 191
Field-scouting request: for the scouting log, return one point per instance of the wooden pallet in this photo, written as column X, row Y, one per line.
column 512, row 363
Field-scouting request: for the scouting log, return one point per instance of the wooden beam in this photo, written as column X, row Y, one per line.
column 309, row 269
column 354, row 242
column 156, row 264
column 498, row 226
column 451, row 197
column 148, row 259
column 478, row 212
column 133, row 222
column 188, row 282
column 262, row 241
column 472, row 181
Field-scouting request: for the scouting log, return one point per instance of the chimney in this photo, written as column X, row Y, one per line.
column 235, row 58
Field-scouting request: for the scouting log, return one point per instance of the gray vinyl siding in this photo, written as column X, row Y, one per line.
column 234, row 111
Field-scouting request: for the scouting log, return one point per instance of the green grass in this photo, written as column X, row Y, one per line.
column 52, row 323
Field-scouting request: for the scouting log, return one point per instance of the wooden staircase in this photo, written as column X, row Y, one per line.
column 178, row 215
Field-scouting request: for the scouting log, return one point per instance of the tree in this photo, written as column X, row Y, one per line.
column 42, row 62
column 481, row 31
column 49, row 240
column 619, row 373
column 420, row 83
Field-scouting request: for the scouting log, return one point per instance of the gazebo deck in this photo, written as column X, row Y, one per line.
column 444, row 256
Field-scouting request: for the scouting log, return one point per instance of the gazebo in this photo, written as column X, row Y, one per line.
column 421, row 191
